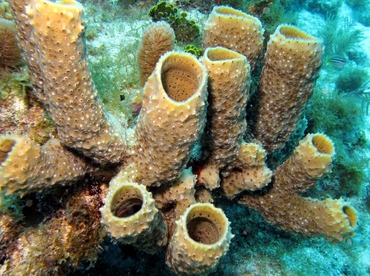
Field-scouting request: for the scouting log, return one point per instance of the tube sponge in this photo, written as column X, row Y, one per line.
column 201, row 237
column 235, row 30
column 27, row 45
column 55, row 31
column 157, row 39
column 310, row 160
column 25, row 166
column 292, row 63
column 171, row 119
column 283, row 206
column 130, row 214
column 229, row 80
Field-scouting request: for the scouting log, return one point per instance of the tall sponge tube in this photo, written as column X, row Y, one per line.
column 55, row 31
column 235, row 30
column 171, row 119
column 229, row 80
column 292, row 63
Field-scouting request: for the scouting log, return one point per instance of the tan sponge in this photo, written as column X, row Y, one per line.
column 56, row 50
column 283, row 205
column 130, row 215
column 26, row 166
column 292, row 63
column 171, row 119
column 201, row 238
column 235, row 30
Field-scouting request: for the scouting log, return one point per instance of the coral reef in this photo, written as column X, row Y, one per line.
column 151, row 201
column 59, row 243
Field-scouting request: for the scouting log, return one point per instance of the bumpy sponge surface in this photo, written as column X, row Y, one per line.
column 229, row 80
column 172, row 117
column 292, row 63
column 55, row 49
column 283, row 206
column 234, row 30
column 26, row 166
column 130, row 214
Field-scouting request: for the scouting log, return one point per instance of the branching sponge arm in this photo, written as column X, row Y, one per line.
column 25, row 166
column 283, row 206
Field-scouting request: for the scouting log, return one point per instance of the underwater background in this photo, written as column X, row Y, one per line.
column 339, row 107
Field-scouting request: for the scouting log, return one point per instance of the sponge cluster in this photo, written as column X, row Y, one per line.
column 283, row 206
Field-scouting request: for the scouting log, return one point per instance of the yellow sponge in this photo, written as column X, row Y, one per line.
column 310, row 160
column 292, row 63
column 55, row 48
column 25, row 166
column 229, row 80
column 251, row 173
column 201, row 237
column 174, row 200
column 235, row 30
column 171, row 119
column 130, row 214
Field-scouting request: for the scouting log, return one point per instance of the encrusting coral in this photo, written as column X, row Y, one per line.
column 57, row 245
column 145, row 203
